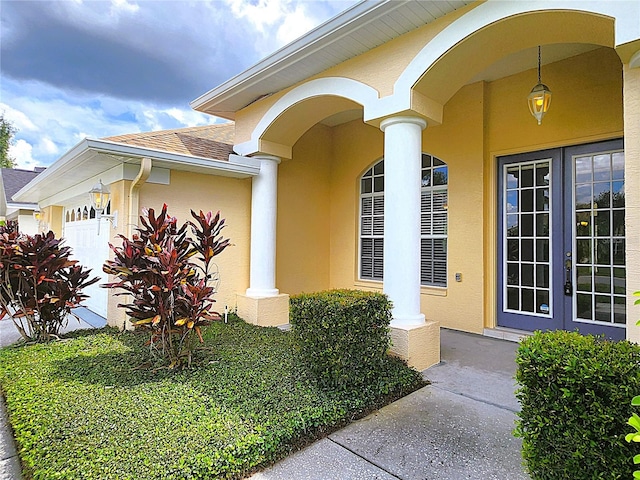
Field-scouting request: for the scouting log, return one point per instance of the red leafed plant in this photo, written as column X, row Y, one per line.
column 171, row 293
column 39, row 283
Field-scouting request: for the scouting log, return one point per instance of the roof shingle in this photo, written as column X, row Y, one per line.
column 13, row 179
column 209, row 141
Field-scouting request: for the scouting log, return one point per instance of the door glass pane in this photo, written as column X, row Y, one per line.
column 599, row 241
column 583, row 280
column 526, row 236
column 583, row 169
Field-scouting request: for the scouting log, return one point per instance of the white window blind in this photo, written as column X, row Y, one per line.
column 433, row 224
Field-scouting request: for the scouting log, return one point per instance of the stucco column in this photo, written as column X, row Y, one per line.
column 631, row 102
column 402, row 167
column 264, row 206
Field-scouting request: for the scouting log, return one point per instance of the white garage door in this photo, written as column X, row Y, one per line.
column 91, row 250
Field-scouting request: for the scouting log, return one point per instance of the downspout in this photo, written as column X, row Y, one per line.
column 134, row 194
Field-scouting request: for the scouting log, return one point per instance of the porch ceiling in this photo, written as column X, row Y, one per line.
column 357, row 30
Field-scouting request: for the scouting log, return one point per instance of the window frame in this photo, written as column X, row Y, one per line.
column 439, row 208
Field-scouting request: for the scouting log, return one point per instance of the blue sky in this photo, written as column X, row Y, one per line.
column 82, row 68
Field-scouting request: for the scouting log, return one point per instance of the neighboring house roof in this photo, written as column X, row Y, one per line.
column 358, row 29
column 13, row 179
column 209, row 141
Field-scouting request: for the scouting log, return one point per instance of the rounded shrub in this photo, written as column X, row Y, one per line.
column 575, row 392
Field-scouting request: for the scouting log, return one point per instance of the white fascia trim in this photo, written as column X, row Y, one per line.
column 61, row 165
column 329, row 86
column 329, row 32
column 627, row 28
column 22, row 206
column 175, row 160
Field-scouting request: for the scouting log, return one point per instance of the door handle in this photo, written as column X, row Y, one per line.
column 568, row 284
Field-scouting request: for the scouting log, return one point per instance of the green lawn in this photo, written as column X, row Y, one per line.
column 81, row 409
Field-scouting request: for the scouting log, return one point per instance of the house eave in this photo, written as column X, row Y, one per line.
column 92, row 157
column 262, row 78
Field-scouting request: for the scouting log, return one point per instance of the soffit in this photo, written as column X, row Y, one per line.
column 353, row 32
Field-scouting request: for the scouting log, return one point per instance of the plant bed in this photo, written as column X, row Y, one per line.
column 91, row 406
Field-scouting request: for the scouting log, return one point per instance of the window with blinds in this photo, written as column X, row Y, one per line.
column 433, row 224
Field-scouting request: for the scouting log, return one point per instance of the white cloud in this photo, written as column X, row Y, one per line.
column 260, row 14
column 21, row 152
column 118, row 6
column 295, row 24
column 48, row 146
column 17, row 118
column 189, row 118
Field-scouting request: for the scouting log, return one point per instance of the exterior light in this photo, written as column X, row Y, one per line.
column 100, row 195
column 540, row 97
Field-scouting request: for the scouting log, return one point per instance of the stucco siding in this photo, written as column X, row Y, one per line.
column 303, row 226
column 189, row 191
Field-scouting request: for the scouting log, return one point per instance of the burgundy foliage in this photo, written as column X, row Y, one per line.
column 171, row 293
column 39, row 283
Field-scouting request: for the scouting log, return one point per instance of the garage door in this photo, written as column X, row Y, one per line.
column 90, row 246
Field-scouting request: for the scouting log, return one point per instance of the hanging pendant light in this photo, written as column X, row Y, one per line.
column 540, row 97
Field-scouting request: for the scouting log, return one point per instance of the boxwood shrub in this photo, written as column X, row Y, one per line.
column 576, row 393
column 343, row 335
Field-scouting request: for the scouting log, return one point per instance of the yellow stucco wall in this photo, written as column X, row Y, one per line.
column 586, row 105
column 212, row 193
column 481, row 121
column 304, row 202
column 459, row 143
column 395, row 55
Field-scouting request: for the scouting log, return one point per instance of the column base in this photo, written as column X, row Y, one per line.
column 262, row 292
column 419, row 345
column 269, row 311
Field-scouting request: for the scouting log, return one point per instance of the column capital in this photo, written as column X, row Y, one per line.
column 264, row 156
column 421, row 122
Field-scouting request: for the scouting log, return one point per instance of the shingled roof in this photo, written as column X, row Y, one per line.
column 13, row 179
column 209, row 141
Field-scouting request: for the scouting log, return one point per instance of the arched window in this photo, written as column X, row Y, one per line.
column 433, row 225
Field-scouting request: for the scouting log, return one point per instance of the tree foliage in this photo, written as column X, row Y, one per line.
column 7, row 132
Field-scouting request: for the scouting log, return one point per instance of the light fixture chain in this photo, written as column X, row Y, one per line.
column 539, row 64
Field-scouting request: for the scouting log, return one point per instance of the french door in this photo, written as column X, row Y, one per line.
column 561, row 240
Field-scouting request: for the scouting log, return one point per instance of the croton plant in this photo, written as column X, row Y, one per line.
column 39, row 283
column 169, row 273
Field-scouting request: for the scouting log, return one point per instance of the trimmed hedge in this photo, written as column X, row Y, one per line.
column 343, row 335
column 576, row 393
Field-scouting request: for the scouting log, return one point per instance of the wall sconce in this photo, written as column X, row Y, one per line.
column 100, row 195
column 37, row 216
column 540, row 97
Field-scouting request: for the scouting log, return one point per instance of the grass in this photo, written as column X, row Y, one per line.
column 82, row 407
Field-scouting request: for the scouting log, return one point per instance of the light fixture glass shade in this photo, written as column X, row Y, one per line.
column 100, row 194
column 539, row 101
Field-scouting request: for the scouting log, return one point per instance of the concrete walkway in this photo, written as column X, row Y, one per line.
column 458, row 427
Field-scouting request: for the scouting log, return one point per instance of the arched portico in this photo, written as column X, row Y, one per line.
column 469, row 61
column 301, row 108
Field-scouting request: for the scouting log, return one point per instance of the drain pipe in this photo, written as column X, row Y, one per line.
column 134, row 195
